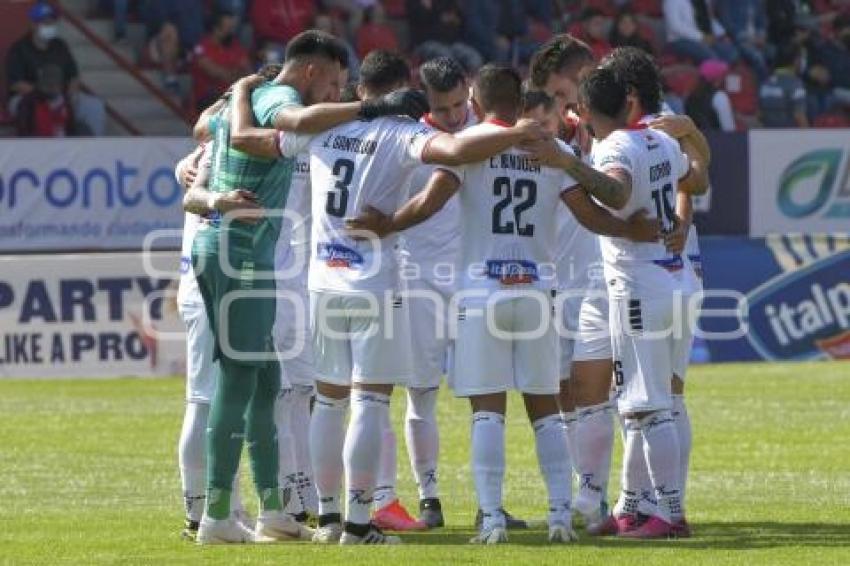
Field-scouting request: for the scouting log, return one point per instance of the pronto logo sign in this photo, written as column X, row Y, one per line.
column 803, row 314
column 807, row 185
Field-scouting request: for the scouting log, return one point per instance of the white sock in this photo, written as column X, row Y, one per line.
column 299, row 419
column 370, row 416
column 572, row 442
column 423, row 439
column 554, row 460
column 634, row 466
column 488, row 460
column 388, row 469
column 594, row 438
column 327, row 434
column 683, row 427
column 287, row 476
column 633, row 461
column 192, row 456
column 661, row 448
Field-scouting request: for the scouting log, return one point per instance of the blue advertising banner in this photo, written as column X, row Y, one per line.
column 789, row 295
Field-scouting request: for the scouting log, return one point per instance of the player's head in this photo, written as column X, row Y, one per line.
column 557, row 66
column 223, row 26
column 319, row 59
column 270, row 71
column 638, row 70
column 603, row 101
column 497, row 90
column 447, row 89
column 382, row 72
column 348, row 93
column 539, row 106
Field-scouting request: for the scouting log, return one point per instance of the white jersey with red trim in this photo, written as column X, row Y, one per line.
column 437, row 240
column 510, row 208
column 655, row 164
column 352, row 166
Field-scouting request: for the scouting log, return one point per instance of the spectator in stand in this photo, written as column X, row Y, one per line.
column 709, row 105
column 693, row 33
column 42, row 47
column 594, row 32
column 830, row 58
column 375, row 33
column 218, row 60
column 626, row 33
column 437, row 31
column 746, row 23
column 174, row 29
column 782, row 97
column 327, row 22
column 44, row 112
column 278, row 21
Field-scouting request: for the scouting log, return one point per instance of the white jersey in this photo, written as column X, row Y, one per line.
column 510, row 207
column 352, row 166
column 437, row 240
column 187, row 289
column 655, row 163
column 292, row 252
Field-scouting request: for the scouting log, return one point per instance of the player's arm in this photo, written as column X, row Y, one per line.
column 244, row 135
column 637, row 228
column 612, row 185
column 446, row 149
column 240, row 205
column 202, row 131
column 682, row 127
column 187, row 168
column 676, row 239
column 695, row 182
column 440, row 188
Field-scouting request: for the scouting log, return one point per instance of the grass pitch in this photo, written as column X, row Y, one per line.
column 88, row 474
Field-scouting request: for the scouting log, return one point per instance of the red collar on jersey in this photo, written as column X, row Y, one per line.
column 636, row 126
column 430, row 121
column 498, row 122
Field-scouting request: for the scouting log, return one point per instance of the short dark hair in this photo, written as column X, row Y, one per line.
column 531, row 99
column 316, row 43
column 603, row 91
column 638, row 70
column 561, row 53
column 348, row 93
column 441, row 74
column 270, row 71
column 383, row 69
column 499, row 87
column 218, row 16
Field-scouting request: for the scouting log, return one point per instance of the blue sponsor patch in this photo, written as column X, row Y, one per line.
column 672, row 263
column 803, row 314
column 512, row 271
column 335, row 254
column 185, row 265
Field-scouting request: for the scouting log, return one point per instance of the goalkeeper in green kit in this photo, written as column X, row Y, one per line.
column 233, row 259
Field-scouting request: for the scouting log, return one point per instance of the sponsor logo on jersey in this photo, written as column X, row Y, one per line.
column 814, row 184
column 512, row 271
column 185, row 265
column 803, row 314
column 335, row 254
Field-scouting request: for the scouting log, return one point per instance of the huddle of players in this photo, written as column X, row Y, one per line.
column 519, row 259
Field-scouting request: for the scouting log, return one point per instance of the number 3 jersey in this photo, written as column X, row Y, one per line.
column 655, row 164
column 352, row 166
column 509, row 219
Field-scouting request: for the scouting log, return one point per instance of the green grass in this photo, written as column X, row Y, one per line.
column 88, row 474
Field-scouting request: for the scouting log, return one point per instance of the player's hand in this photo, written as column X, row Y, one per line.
column 188, row 175
column 643, row 229
column 239, row 205
column 531, row 131
column 675, row 240
column 370, row 220
column 402, row 102
column 249, row 82
column 677, row 126
column 546, row 152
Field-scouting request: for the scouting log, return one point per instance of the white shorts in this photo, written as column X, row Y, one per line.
column 644, row 344
column 292, row 339
column 200, row 368
column 493, row 359
column 360, row 339
column 589, row 337
column 428, row 303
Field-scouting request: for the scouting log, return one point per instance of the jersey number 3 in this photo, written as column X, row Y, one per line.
column 337, row 202
column 524, row 191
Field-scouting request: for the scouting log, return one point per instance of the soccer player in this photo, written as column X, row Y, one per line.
column 360, row 322
column 505, row 335
column 586, row 365
column 641, row 281
column 641, row 74
column 233, row 261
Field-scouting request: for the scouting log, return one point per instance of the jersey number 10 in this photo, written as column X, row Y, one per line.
column 664, row 209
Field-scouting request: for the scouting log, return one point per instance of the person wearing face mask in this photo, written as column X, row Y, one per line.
column 42, row 47
column 218, row 60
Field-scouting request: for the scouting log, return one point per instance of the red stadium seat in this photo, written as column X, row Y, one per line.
column 605, row 6
column 647, row 7
column 832, row 120
column 681, row 79
column 742, row 87
column 395, row 8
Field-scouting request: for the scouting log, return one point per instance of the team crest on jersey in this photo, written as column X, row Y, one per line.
column 512, row 271
column 335, row 254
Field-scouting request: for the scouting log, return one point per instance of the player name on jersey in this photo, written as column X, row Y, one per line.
column 514, row 162
column 351, row 145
